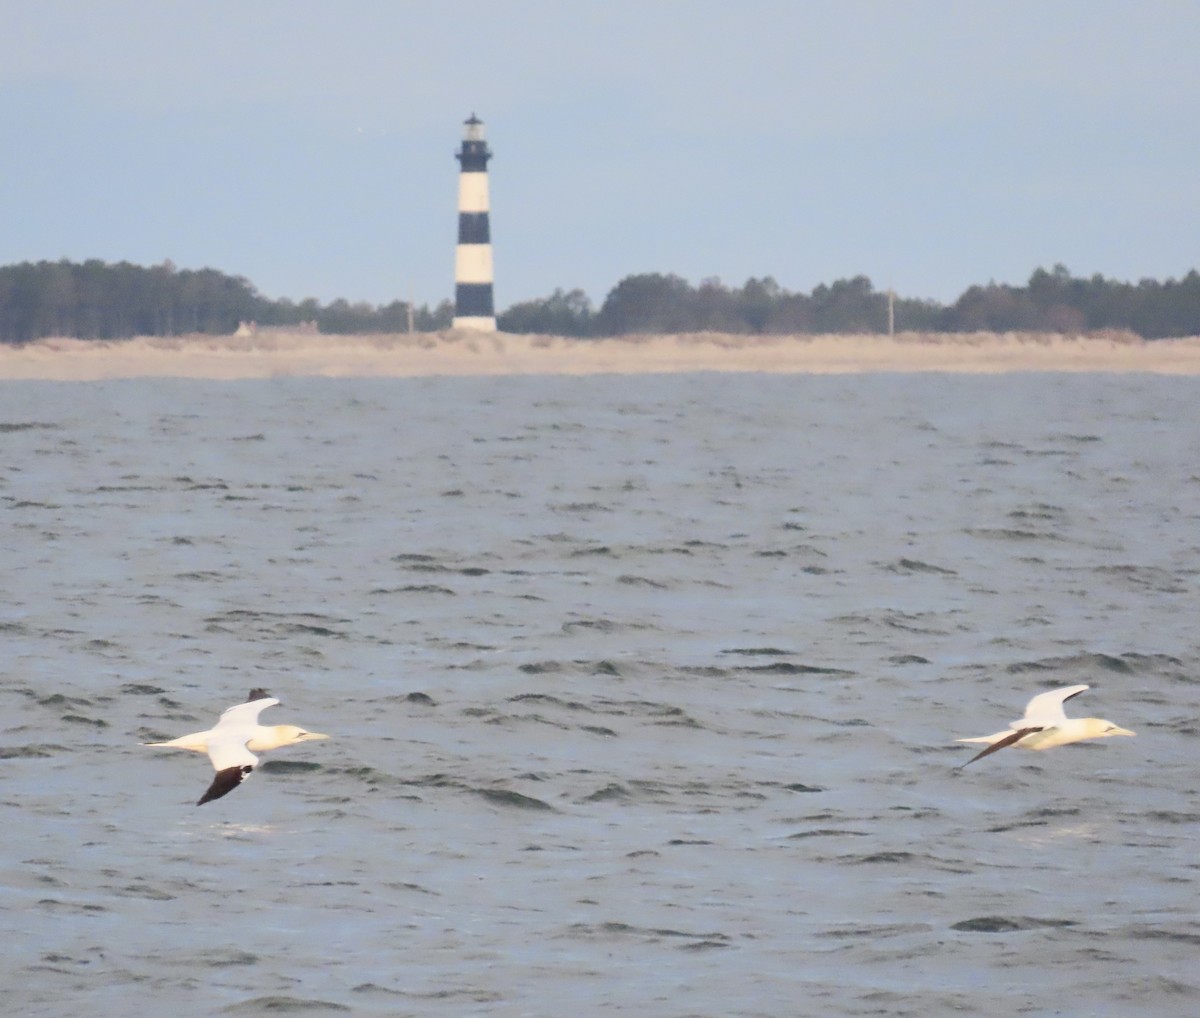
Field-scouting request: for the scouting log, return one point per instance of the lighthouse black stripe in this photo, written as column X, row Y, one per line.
column 473, row 228
column 473, row 300
column 473, row 161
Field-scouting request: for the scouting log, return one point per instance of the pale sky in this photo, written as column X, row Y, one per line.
column 308, row 145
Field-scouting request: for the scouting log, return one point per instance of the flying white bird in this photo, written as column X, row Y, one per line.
column 1045, row 726
column 233, row 740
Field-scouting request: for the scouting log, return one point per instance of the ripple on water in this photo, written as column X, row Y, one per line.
column 1009, row 924
column 271, row 1005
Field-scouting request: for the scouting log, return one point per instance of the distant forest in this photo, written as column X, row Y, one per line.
column 99, row 300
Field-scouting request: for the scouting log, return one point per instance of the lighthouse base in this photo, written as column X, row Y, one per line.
column 475, row 323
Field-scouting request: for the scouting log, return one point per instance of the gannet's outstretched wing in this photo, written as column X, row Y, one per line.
column 225, row 782
column 242, row 715
column 1011, row 739
column 1046, row 709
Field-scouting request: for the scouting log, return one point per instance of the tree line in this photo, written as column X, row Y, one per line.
column 1052, row 301
column 99, row 300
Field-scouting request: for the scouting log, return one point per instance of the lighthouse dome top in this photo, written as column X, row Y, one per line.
column 474, row 129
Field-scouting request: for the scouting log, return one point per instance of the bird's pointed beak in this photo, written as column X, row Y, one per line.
column 311, row 736
column 1122, row 731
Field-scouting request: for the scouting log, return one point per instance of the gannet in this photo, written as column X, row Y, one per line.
column 233, row 740
column 1045, row 726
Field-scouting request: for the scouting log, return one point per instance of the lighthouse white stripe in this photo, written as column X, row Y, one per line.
column 473, row 263
column 475, row 323
column 472, row 192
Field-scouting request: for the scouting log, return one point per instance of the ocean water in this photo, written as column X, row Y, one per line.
column 642, row 694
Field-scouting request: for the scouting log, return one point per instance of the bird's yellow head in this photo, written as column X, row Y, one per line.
column 294, row 734
column 281, row 735
column 1098, row 728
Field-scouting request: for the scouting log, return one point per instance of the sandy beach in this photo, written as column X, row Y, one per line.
column 281, row 353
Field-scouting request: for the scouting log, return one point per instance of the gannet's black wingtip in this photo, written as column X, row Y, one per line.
column 225, row 782
column 995, row 747
column 257, row 694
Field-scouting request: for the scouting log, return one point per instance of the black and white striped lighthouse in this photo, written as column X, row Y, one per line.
column 474, row 307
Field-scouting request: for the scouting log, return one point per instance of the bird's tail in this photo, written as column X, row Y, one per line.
column 195, row 742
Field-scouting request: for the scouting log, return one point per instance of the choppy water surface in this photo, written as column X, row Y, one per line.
column 643, row 694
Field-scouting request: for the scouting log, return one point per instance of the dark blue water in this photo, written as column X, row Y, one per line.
column 643, row 693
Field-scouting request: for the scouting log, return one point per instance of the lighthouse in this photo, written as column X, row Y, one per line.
column 473, row 304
